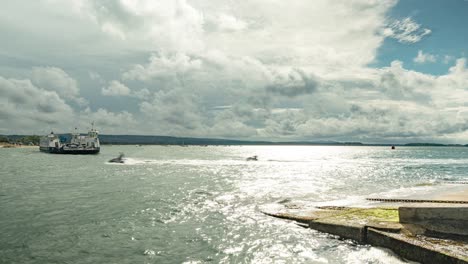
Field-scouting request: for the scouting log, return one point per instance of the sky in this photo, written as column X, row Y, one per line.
column 377, row 71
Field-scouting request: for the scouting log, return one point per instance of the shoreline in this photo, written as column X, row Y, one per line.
column 8, row 145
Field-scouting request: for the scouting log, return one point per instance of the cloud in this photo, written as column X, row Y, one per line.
column 163, row 66
column 337, row 33
column 406, row 31
column 111, row 29
column 225, row 23
column 142, row 94
column 55, row 79
column 424, row 57
column 176, row 25
column 174, row 112
column 294, row 83
column 391, row 103
column 109, row 122
column 116, row 88
column 400, row 84
column 395, row 104
column 447, row 59
column 452, row 87
column 26, row 106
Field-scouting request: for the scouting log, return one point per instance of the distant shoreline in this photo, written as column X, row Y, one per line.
column 189, row 141
column 8, row 145
column 288, row 144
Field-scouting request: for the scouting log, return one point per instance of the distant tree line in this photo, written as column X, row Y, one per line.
column 25, row 140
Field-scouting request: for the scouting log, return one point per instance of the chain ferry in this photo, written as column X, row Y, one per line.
column 78, row 144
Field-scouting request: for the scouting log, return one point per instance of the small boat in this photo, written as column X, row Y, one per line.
column 253, row 158
column 119, row 159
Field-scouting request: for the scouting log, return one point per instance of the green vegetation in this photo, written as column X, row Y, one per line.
column 30, row 140
column 20, row 139
column 359, row 214
column 375, row 214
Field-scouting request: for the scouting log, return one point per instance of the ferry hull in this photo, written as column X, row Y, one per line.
column 69, row 151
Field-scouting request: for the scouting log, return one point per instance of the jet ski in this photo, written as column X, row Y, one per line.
column 119, row 159
column 253, row 158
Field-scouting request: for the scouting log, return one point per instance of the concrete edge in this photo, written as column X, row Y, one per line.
column 365, row 234
column 409, row 250
column 354, row 232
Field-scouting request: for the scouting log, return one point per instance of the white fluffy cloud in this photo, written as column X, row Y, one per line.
column 424, row 57
column 225, row 23
column 330, row 33
column 175, row 25
column 55, row 79
column 109, row 122
column 162, row 67
column 116, row 88
column 26, row 106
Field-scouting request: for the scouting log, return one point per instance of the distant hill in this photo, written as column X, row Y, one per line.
column 166, row 140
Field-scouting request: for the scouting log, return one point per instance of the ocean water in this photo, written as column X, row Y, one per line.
column 201, row 204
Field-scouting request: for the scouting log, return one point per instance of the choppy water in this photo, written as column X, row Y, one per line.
column 199, row 204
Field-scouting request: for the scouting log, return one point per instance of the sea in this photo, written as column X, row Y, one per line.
column 202, row 204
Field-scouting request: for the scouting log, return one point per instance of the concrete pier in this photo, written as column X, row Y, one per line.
column 443, row 220
column 423, row 232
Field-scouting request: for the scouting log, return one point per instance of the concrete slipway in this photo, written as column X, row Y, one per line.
column 429, row 229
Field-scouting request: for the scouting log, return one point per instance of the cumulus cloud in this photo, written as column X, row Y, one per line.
column 293, row 84
column 116, row 88
column 424, row 57
column 26, row 106
column 400, row 84
column 142, row 94
column 174, row 112
column 111, row 122
column 406, row 31
column 396, row 104
column 163, row 66
column 225, row 23
column 174, row 24
column 338, row 32
column 55, row 79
